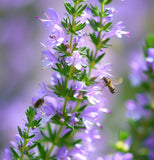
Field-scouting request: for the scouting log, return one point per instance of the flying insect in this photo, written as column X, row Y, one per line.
column 39, row 103
column 110, row 84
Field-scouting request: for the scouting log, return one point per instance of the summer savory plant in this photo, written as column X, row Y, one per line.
column 63, row 120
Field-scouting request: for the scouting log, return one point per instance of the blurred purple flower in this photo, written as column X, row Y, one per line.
column 55, row 78
column 77, row 60
column 119, row 156
column 62, row 154
column 48, row 59
column 122, row 156
column 150, row 144
column 7, row 155
column 135, row 109
column 77, row 153
column 137, row 65
column 117, row 30
column 150, row 58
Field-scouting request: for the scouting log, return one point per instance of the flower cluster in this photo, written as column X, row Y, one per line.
column 63, row 121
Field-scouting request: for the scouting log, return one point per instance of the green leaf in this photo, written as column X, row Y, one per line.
column 101, row 1
column 30, row 113
column 82, row 108
column 80, row 10
column 94, row 10
column 15, row 154
column 69, row 8
column 107, row 2
column 31, row 147
column 20, row 131
column 95, row 25
column 67, row 135
column 33, row 135
column 80, row 26
column 94, row 39
column 106, row 26
column 44, row 136
column 50, row 132
column 41, row 151
column 123, row 135
column 99, row 57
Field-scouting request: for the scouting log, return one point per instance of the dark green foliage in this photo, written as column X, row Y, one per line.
column 99, row 58
column 15, row 155
column 42, row 151
column 69, row 8
column 80, row 10
column 30, row 113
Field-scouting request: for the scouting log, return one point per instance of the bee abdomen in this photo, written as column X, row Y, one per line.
column 39, row 102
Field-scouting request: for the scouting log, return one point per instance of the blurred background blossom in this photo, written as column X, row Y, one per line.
column 20, row 66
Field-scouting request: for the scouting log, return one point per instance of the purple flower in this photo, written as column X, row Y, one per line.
column 48, row 59
column 77, row 60
column 110, row 12
column 77, row 153
column 7, row 154
column 55, row 78
column 55, row 32
column 18, row 142
column 121, row 156
column 52, row 17
column 80, row 39
column 41, row 92
column 49, row 108
column 73, row 119
column 93, row 94
column 135, row 109
column 137, row 65
column 55, row 37
column 79, row 87
column 87, row 15
column 62, row 154
column 103, row 72
column 150, row 144
column 117, row 30
column 150, row 58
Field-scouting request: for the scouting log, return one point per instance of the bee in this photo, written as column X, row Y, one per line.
column 52, row 37
column 110, row 84
column 39, row 103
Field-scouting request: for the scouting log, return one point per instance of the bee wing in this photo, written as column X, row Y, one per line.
column 117, row 81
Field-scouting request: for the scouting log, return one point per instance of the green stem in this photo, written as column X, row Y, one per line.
column 64, row 108
column 67, row 79
column 56, row 141
column 77, row 106
column 99, row 36
column 25, row 143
